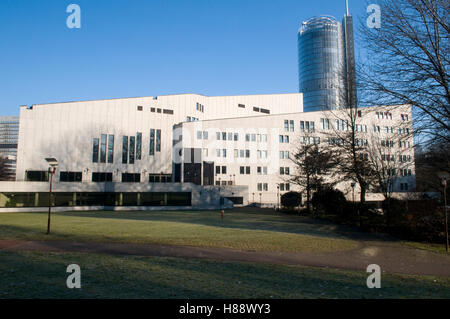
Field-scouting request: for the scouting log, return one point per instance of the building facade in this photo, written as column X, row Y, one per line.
column 124, row 152
column 9, row 136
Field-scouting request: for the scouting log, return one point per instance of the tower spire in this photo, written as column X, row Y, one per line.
column 346, row 6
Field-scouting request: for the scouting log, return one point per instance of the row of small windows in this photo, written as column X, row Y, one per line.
column 199, row 107
column 284, row 154
column 284, row 138
column 156, row 110
column 391, row 172
column 285, row 187
column 263, row 187
column 192, row 119
column 261, row 110
column 391, row 158
column 384, row 115
column 307, row 126
column 284, row 171
column 405, row 117
column 103, row 149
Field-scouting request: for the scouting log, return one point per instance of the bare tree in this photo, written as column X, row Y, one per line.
column 408, row 62
column 313, row 166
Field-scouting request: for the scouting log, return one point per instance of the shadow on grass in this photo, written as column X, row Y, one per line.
column 244, row 218
column 43, row 275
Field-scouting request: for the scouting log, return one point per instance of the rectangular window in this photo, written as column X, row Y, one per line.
column 205, row 135
column 266, row 187
column 281, row 139
column 224, row 136
column 70, row 176
column 217, row 170
column 286, row 139
column 166, row 111
column 241, row 105
column 302, row 126
column 282, row 187
column 288, row 187
column 218, row 136
column 241, row 153
column 199, row 135
column 110, row 148
column 138, row 146
column 101, row 177
column 253, row 137
column 218, row 152
column 242, row 170
column 205, row 152
column 281, row 170
column 95, row 150
column 286, row 170
column 131, row 150
column 103, row 148
column 224, row 169
column 286, row 125
column 291, row 125
column 236, row 153
column 256, row 109
column 152, row 142
column 224, row 153
column 131, row 178
column 247, row 153
column 265, row 170
column 247, row 170
column 259, row 187
column 247, row 137
column 158, row 140
column 281, row 155
column 125, row 150
column 259, row 170
column 236, row 136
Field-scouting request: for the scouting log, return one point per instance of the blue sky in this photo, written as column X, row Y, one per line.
column 128, row 48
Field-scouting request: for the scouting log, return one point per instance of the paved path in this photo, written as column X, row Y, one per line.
column 391, row 257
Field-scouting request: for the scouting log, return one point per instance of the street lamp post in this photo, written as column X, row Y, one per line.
column 444, row 184
column 51, row 171
column 260, row 200
column 278, row 195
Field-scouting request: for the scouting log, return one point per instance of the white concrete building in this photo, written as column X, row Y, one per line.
column 140, row 152
column 255, row 151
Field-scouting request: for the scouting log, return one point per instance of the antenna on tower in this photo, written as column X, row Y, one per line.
column 346, row 5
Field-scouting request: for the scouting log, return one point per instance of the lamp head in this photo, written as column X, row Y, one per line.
column 52, row 162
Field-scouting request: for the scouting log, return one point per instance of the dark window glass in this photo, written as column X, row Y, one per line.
column 242, row 170
column 131, row 178
column 125, row 150
column 132, row 149
column 95, row 150
column 111, row 149
column 165, row 111
column 158, row 140
column 70, row 177
column 152, row 142
column 217, row 169
column 103, row 149
column 138, row 146
column 37, row 176
column 247, row 170
column 224, row 169
column 139, row 108
column 101, row 177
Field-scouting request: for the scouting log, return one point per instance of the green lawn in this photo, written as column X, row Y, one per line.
column 43, row 275
column 241, row 229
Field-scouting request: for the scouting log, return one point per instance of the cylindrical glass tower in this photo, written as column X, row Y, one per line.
column 321, row 64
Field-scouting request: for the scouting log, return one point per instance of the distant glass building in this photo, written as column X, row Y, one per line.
column 9, row 137
column 324, row 47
